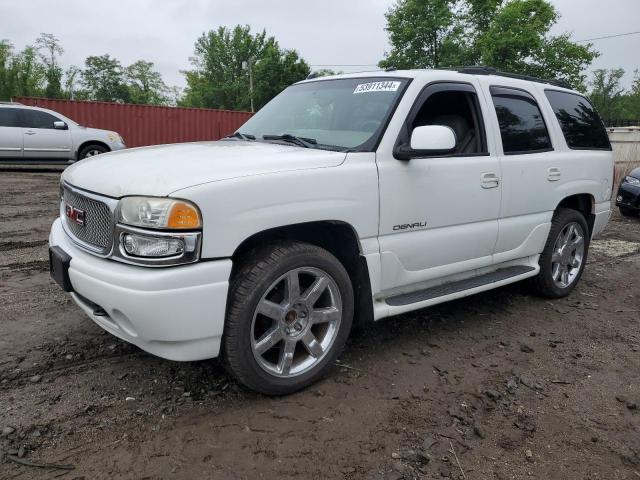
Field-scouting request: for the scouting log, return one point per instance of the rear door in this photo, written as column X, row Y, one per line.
column 41, row 139
column 10, row 134
column 530, row 170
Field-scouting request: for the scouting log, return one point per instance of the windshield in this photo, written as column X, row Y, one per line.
column 334, row 114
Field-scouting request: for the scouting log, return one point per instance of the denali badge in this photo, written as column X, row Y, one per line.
column 74, row 214
column 409, row 226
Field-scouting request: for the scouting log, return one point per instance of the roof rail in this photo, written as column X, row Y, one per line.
column 482, row 70
column 10, row 103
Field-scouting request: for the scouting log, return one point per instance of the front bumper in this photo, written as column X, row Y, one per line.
column 628, row 196
column 175, row 313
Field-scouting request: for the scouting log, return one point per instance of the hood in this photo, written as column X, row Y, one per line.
column 634, row 173
column 161, row 170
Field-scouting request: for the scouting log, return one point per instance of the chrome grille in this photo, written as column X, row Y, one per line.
column 97, row 228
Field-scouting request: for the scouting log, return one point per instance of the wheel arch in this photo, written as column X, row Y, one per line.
column 337, row 237
column 85, row 144
column 583, row 203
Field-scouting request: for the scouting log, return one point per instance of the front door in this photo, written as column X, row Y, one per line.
column 10, row 134
column 42, row 141
column 439, row 214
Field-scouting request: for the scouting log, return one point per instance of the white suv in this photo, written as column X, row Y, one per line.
column 346, row 199
column 35, row 135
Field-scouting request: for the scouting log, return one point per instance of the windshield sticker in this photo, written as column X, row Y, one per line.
column 377, row 87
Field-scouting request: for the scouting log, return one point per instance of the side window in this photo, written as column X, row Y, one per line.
column 579, row 121
column 37, row 119
column 458, row 110
column 9, row 117
column 522, row 126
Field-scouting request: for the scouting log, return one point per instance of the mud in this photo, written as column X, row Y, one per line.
column 502, row 385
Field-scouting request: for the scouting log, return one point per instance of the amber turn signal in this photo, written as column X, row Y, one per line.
column 183, row 215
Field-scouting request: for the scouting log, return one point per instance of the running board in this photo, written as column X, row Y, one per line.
column 459, row 286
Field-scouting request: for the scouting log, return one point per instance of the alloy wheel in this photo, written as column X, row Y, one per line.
column 296, row 322
column 568, row 255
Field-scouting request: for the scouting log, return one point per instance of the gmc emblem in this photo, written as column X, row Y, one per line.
column 74, row 214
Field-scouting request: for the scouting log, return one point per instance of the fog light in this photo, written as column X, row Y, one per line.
column 156, row 247
column 619, row 199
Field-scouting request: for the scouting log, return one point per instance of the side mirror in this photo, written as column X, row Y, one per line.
column 60, row 125
column 433, row 139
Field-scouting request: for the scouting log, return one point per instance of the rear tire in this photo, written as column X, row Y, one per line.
column 91, row 151
column 289, row 314
column 628, row 212
column 564, row 256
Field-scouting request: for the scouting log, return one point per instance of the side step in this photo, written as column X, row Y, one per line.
column 459, row 286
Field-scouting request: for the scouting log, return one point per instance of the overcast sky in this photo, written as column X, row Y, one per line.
column 324, row 32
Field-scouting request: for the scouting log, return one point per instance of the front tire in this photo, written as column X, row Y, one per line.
column 289, row 315
column 92, row 151
column 565, row 254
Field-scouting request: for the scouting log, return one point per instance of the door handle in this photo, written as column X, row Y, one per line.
column 29, row 132
column 489, row 180
column 554, row 174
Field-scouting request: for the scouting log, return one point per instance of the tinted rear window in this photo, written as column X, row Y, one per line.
column 8, row 117
column 521, row 124
column 579, row 121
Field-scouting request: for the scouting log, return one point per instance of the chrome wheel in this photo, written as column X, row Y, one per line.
column 296, row 322
column 568, row 255
column 92, row 153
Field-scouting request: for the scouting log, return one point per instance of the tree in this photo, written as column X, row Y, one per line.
column 145, row 84
column 324, row 72
column 7, row 74
column 517, row 40
column 510, row 35
column 52, row 49
column 607, row 95
column 276, row 70
column 218, row 79
column 71, row 75
column 104, row 79
column 28, row 72
column 606, row 92
column 421, row 34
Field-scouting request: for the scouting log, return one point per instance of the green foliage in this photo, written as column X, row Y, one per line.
column 219, row 78
column 7, row 74
column 325, row 72
column 104, row 79
column 510, row 35
column 52, row 50
column 611, row 100
column 36, row 71
column 28, row 73
column 145, row 84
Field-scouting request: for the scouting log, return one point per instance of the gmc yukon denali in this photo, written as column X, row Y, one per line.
column 346, row 199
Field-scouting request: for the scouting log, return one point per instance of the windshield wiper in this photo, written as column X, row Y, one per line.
column 287, row 137
column 241, row 136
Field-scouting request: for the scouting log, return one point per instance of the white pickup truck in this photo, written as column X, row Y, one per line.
column 346, row 199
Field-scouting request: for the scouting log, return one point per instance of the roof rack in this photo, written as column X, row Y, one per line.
column 482, row 70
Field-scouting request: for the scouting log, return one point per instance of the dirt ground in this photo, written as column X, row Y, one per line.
column 502, row 385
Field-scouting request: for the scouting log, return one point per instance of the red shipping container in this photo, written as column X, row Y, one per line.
column 142, row 125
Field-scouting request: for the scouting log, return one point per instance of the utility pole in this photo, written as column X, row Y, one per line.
column 247, row 66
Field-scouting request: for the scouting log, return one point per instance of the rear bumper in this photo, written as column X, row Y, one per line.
column 176, row 313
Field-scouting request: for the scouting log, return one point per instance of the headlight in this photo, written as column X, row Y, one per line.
column 162, row 213
column 631, row 180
